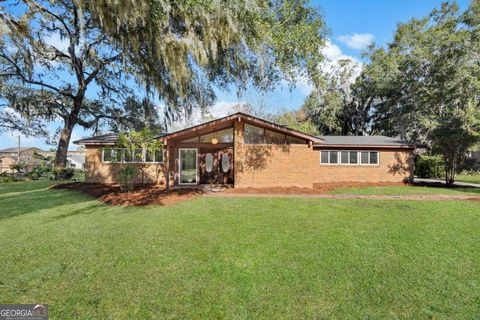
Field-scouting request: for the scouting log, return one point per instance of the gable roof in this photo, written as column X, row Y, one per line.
column 225, row 121
column 366, row 141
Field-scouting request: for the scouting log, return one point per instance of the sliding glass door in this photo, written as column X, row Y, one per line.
column 188, row 166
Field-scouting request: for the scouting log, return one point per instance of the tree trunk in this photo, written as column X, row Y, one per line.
column 64, row 140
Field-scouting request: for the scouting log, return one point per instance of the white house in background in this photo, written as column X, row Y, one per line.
column 76, row 160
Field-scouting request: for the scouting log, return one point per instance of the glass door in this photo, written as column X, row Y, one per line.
column 188, row 166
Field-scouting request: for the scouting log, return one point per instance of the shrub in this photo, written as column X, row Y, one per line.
column 18, row 167
column 62, row 173
column 126, row 175
column 429, row 167
column 5, row 177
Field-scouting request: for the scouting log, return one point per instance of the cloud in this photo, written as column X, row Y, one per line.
column 333, row 53
column 357, row 40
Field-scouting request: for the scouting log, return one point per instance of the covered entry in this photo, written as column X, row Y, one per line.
column 203, row 156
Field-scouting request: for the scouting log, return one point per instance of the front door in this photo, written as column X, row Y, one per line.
column 188, row 166
column 215, row 166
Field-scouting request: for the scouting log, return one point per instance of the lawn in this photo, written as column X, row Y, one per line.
column 472, row 178
column 244, row 258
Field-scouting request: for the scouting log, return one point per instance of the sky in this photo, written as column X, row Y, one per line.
column 353, row 25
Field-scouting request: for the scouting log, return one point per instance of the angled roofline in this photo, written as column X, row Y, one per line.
column 247, row 118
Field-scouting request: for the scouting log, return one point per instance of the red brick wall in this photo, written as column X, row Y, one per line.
column 97, row 171
column 299, row 165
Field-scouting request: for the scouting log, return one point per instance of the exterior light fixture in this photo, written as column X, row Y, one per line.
column 214, row 141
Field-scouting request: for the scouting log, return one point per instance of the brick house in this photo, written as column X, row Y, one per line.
column 245, row 151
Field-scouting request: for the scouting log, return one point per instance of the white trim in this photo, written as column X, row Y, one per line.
column 180, row 167
column 359, row 158
column 133, row 153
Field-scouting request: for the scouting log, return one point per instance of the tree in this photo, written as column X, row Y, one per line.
column 453, row 136
column 140, row 144
column 50, row 54
column 338, row 106
column 426, row 84
column 297, row 120
column 136, row 115
column 183, row 49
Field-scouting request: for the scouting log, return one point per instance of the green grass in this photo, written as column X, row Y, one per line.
column 472, row 178
column 243, row 258
column 406, row 190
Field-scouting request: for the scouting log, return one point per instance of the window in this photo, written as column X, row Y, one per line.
column 274, row 137
column 353, row 157
column 117, row 155
column 107, row 155
column 138, row 155
column 333, row 157
column 149, row 156
column 159, row 155
column 329, row 157
column 295, row 140
column 349, row 157
column 344, row 157
column 128, row 155
column 209, row 162
column 222, row 136
column 254, row 135
column 373, row 157
column 324, row 157
column 364, row 157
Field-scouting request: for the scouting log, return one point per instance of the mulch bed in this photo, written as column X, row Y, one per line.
column 141, row 195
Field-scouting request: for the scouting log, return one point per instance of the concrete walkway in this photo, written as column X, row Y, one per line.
column 433, row 197
column 456, row 183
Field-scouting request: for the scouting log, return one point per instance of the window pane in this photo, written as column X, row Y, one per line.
column 127, row 155
column 194, row 139
column 364, row 157
column 149, row 156
column 222, row 136
column 333, row 157
column 374, row 157
column 344, row 156
column 274, row 137
column 324, row 157
column 159, row 155
column 294, row 140
column 117, row 155
column 107, row 154
column 253, row 134
column 353, row 157
column 138, row 155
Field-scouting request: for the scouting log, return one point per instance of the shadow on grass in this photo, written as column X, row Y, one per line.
column 32, row 200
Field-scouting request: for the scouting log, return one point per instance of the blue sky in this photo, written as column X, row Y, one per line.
column 352, row 23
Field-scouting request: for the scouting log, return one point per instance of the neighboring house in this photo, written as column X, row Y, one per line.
column 6, row 162
column 246, row 151
column 76, row 160
column 31, row 156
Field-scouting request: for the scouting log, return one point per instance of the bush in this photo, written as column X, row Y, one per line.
column 6, row 177
column 62, row 173
column 126, row 175
column 429, row 167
